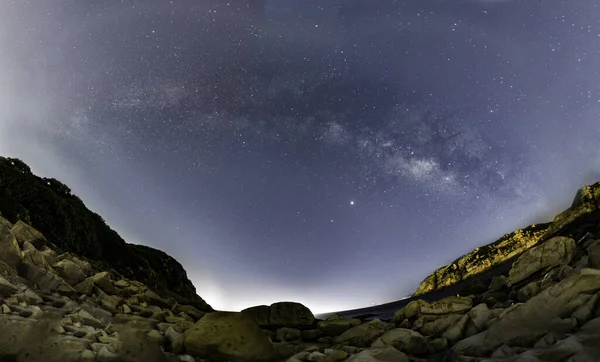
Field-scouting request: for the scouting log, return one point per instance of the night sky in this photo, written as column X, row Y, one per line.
column 329, row 152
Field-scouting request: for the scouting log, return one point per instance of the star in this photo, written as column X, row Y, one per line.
column 351, row 203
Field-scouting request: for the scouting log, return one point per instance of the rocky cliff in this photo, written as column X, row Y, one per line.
column 49, row 206
column 513, row 244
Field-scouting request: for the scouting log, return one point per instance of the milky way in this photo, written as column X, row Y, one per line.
column 327, row 152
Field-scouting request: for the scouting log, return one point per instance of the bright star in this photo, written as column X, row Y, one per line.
column 351, row 202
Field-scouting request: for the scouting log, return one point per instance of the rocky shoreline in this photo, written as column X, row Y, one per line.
column 62, row 307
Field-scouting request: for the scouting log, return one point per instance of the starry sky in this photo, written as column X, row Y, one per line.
column 329, row 152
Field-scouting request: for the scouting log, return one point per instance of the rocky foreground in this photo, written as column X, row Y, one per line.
column 61, row 307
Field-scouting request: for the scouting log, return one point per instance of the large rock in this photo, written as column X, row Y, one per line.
column 480, row 317
column 49, row 255
column 154, row 299
column 286, row 334
column 10, row 253
column 69, row 271
column 440, row 325
column 457, row 331
column 448, row 305
column 594, row 255
column 15, row 331
column 405, row 340
column 138, row 345
column 86, row 287
column 363, row 335
column 6, row 288
column 36, row 258
column 5, row 223
column 44, row 346
column 189, row 310
column 225, row 336
column 498, row 283
column 409, row 311
column 104, row 282
column 539, row 315
column 528, row 291
column 556, row 251
column 25, row 233
column 385, row 354
column 135, row 322
column 290, row 314
column 84, row 265
column 336, row 325
column 35, row 269
column 109, row 302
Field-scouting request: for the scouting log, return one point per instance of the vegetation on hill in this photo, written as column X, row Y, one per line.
column 49, row 206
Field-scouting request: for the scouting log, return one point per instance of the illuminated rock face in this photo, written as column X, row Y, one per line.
column 484, row 258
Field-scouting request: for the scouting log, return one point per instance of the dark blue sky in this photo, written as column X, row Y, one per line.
column 328, row 152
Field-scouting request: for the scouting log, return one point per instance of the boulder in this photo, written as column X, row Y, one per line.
column 423, row 319
column 480, row 317
column 412, row 309
column 385, row 354
column 290, row 314
column 6, row 288
column 224, row 336
column 538, row 316
column 135, row 322
column 109, row 302
column 189, row 310
column 86, row 287
column 363, row 335
column 448, row 305
column 586, row 311
column 154, row 299
column 27, row 246
column 69, row 271
column 404, row 340
column 286, row 334
column 456, row 331
column 15, row 331
column 5, row 223
column 175, row 340
column 336, row 325
column 139, row 345
column 49, row 255
column 10, row 253
column 498, row 283
column 103, row 281
column 84, row 265
column 311, row 335
column 528, row 291
column 438, row 344
column 8, row 272
column 46, row 347
column 594, row 255
column 259, row 314
column 25, row 233
column 554, row 252
column 35, row 258
column 440, row 325
column 43, row 276
column 89, row 320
